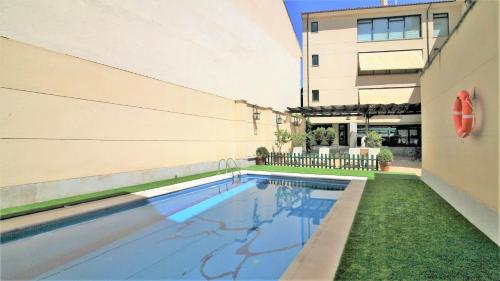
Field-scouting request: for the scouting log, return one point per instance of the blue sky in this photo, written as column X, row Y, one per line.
column 296, row 7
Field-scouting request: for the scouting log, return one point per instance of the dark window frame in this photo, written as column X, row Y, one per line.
column 317, row 60
column 440, row 16
column 314, row 23
column 396, row 140
column 367, row 20
column 315, row 93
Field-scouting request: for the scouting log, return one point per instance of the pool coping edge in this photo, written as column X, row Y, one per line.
column 321, row 255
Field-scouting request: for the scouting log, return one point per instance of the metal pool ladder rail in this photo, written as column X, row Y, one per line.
column 235, row 166
column 227, row 166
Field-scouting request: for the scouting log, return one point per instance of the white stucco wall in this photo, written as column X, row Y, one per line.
column 239, row 49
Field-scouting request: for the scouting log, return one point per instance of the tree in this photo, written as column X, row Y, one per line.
column 320, row 136
column 282, row 138
column 309, row 135
column 298, row 139
column 373, row 139
column 331, row 134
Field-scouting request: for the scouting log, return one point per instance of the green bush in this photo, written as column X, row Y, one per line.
column 320, row 136
column 298, row 139
column 385, row 155
column 330, row 135
column 373, row 139
column 262, row 152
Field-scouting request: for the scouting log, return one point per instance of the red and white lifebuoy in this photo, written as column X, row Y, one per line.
column 463, row 114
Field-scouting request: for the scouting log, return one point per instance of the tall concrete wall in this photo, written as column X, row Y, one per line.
column 238, row 49
column 465, row 171
column 71, row 126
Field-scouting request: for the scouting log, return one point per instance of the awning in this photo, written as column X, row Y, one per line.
column 391, row 60
column 358, row 110
column 389, row 95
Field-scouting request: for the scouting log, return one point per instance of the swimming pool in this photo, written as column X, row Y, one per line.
column 250, row 229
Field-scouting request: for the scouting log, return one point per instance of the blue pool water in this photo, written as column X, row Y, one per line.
column 252, row 229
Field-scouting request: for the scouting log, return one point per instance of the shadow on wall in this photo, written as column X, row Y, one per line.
column 381, row 79
column 339, row 23
column 479, row 117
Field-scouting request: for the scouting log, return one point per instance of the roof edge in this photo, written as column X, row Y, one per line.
column 378, row 7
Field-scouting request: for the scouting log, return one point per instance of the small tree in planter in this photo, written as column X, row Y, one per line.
column 320, row 136
column 262, row 153
column 282, row 137
column 330, row 135
column 373, row 140
column 298, row 139
column 385, row 159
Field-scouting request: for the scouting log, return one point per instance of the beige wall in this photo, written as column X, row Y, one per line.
column 336, row 44
column 466, row 171
column 63, row 117
column 238, row 49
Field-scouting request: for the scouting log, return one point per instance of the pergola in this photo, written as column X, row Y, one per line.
column 365, row 110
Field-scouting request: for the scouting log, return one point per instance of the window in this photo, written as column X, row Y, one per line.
column 396, row 28
column 395, row 135
column 441, row 25
column 380, row 29
column 412, row 27
column 364, row 30
column 314, row 26
column 392, row 28
column 315, row 60
column 315, row 95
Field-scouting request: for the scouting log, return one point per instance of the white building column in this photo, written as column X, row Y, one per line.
column 353, row 134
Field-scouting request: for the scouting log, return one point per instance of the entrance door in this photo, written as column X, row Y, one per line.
column 342, row 134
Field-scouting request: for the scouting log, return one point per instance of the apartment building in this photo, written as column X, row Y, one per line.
column 372, row 55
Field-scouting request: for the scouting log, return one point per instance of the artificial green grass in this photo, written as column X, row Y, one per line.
column 318, row 171
column 403, row 230
column 73, row 200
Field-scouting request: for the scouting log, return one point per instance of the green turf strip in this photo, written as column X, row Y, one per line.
column 73, row 200
column 403, row 230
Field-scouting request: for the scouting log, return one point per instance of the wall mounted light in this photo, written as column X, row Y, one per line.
column 256, row 113
column 279, row 119
column 296, row 120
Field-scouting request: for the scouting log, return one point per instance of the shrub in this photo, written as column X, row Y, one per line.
column 262, row 152
column 373, row 139
column 320, row 136
column 298, row 139
column 330, row 135
column 309, row 135
column 282, row 138
column 385, row 155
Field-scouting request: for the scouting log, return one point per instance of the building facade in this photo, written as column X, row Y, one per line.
column 372, row 55
column 97, row 95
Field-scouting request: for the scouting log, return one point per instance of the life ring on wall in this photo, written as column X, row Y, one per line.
column 462, row 114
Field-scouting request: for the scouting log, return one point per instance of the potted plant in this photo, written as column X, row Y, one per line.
column 385, row 159
column 262, row 153
column 330, row 135
column 282, row 138
column 320, row 136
